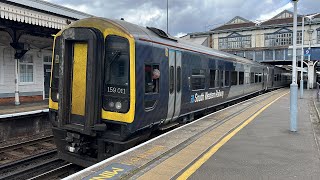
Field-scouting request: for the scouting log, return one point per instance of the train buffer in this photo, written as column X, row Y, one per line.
column 9, row 110
column 249, row 140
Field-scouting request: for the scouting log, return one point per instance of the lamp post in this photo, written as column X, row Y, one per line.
column 294, row 85
column 301, row 65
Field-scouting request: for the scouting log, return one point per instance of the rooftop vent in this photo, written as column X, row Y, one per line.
column 160, row 33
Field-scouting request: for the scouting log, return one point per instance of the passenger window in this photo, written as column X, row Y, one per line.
column 227, row 78
column 171, row 74
column 152, row 77
column 178, row 79
column 221, row 78
column 198, row 79
column 234, row 78
column 252, row 77
column 214, row 78
column 241, row 77
column 256, row 77
column 260, row 77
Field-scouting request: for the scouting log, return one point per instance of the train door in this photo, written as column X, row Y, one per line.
column 174, row 102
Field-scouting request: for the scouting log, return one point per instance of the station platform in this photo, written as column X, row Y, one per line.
column 23, row 109
column 249, row 140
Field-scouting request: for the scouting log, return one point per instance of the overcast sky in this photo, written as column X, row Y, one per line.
column 187, row 15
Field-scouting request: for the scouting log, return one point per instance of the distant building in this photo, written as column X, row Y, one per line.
column 26, row 37
column 268, row 41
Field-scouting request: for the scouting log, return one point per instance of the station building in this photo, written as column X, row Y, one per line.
column 268, row 41
column 27, row 28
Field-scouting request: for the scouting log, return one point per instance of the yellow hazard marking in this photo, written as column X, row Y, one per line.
column 144, row 155
column 79, row 78
column 215, row 148
column 107, row 174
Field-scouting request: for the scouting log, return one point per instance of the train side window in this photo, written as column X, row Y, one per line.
column 260, row 77
column 227, row 78
column 234, row 78
column 221, row 78
column 178, row 79
column 275, row 77
column 213, row 78
column 241, row 77
column 256, row 75
column 246, row 77
column 152, row 77
column 198, row 79
column 171, row 75
column 252, row 77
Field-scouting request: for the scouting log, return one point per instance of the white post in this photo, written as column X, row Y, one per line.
column 294, row 86
column 16, row 81
column 302, row 56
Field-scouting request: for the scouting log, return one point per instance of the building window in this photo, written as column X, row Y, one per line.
column 268, row 55
column 259, row 56
column 249, row 55
column 279, row 54
column 198, row 79
column 278, row 39
column 47, row 59
column 235, row 41
column 299, row 37
column 26, row 69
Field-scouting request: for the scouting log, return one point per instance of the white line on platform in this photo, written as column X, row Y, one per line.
column 90, row 168
column 23, row 113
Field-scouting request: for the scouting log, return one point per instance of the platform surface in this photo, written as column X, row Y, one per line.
column 25, row 107
column 266, row 148
column 250, row 140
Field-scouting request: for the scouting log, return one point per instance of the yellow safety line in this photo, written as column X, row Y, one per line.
column 215, row 148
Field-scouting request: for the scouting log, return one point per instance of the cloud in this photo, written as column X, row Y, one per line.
column 186, row 15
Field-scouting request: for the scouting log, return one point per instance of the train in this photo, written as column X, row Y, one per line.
column 114, row 83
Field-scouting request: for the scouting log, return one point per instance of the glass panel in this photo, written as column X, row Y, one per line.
column 234, row 78
column 227, row 78
column 171, row 79
column 178, row 79
column 252, row 77
column 198, row 79
column 249, row 55
column 241, row 77
column 279, row 54
column 259, row 56
column 268, row 55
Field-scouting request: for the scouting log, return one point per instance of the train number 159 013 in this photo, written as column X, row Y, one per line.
column 116, row 90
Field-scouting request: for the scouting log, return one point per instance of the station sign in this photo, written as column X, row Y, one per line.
column 307, row 52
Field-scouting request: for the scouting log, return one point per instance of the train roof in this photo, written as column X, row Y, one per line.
column 158, row 36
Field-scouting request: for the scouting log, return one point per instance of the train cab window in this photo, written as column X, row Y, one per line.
column 198, row 79
column 152, row 77
column 214, row 78
column 241, row 77
column 227, row 78
column 252, row 77
column 234, row 78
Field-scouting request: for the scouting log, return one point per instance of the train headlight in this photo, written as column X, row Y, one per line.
column 118, row 105
column 57, row 96
column 111, row 104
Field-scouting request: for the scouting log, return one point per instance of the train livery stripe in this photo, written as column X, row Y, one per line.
column 79, row 77
column 52, row 104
